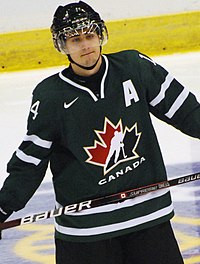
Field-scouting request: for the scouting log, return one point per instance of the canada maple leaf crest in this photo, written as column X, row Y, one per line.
column 115, row 145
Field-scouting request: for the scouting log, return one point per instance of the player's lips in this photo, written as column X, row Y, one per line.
column 88, row 53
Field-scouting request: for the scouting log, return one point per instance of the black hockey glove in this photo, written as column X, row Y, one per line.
column 3, row 216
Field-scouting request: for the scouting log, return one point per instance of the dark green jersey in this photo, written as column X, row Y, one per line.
column 99, row 144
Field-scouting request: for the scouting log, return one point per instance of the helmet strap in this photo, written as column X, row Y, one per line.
column 85, row 67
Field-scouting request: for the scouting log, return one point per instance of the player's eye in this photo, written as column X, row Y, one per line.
column 76, row 40
column 89, row 36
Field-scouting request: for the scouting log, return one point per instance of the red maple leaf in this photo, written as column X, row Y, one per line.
column 99, row 151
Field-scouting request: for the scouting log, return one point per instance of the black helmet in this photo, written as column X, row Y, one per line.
column 70, row 19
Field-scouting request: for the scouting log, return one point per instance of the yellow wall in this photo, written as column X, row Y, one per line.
column 157, row 35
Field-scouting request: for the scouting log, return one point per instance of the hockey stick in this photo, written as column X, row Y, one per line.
column 114, row 198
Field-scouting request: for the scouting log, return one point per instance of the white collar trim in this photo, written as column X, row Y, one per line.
column 87, row 89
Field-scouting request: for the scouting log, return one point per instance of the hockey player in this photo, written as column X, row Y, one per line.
column 75, row 116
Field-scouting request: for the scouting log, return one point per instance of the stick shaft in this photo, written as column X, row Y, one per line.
column 114, row 198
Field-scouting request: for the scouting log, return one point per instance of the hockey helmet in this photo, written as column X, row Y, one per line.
column 74, row 18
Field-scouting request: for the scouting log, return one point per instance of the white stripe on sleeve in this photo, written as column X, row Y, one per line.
column 168, row 80
column 38, row 141
column 177, row 103
column 30, row 159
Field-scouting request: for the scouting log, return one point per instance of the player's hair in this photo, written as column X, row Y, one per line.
column 70, row 20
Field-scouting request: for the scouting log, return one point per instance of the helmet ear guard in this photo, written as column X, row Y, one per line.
column 75, row 19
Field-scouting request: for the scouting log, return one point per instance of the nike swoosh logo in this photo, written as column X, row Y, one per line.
column 67, row 105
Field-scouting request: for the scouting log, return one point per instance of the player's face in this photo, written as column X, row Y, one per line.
column 84, row 49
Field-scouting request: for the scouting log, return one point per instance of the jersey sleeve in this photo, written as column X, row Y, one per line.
column 169, row 100
column 29, row 162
